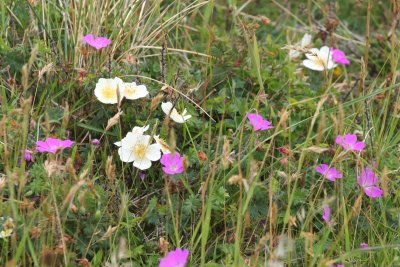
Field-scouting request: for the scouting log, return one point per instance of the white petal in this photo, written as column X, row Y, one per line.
column 174, row 114
column 141, row 91
column 166, row 107
column 313, row 54
column 106, row 91
column 306, row 40
column 177, row 117
column 313, row 65
column 118, row 80
column 162, row 144
column 119, row 143
column 331, row 64
column 324, row 52
column 153, row 152
column 132, row 91
column 143, row 139
column 129, row 140
column 142, row 164
column 126, row 155
column 140, row 130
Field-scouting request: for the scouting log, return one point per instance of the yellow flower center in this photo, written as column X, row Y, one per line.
column 139, row 150
column 130, row 90
column 108, row 92
column 321, row 61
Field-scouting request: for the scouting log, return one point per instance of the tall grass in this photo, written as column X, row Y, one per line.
column 246, row 198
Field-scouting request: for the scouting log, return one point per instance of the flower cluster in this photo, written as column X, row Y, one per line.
column 112, row 91
column 367, row 180
column 321, row 59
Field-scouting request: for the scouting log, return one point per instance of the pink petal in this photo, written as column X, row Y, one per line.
column 327, row 214
column 350, row 139
column 102, row 41
column 177, row 157
column 167, row 170
column 359, row 146
column 176, row 258
column 367, row 178
column 98, row 43
column 339, row 56
column 322, row 169
column 66, row 143
column 166, row 159
column 373, row 191
column 89, row 39
column 339, row 140
column 258, row 122
column 334, row 174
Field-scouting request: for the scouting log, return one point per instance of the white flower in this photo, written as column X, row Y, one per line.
column 319, row 60
column 163, row 145
column 136, row 130
column 305, row 42
column 136, row 148
column 8, row 227
column 174, row 114
column 106, row 90
column 133, row 91
column 6, row 233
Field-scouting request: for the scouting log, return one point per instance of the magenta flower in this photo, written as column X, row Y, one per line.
column 176, row 258
column 98, row 42
column 349, row 142
column 339, row 56
column 329, row 173
column 53, row 145
column 327, row 214
column 27, row 155
column 96, row 142
column 258, row 122
column 172, row 163
column 142, row 175
column 368, row 182
column 363, row 245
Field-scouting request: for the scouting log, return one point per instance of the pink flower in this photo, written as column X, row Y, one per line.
column 339, row 56
column 176, row 258
column 98, row 43
column 96, row 142
column 258, row 122
column 349, row 142
column 363, row 245
column 329, row 173
column 172, row 163
column 27, row 155
column 326, row 216
column 53, row 145
column 368, row 182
